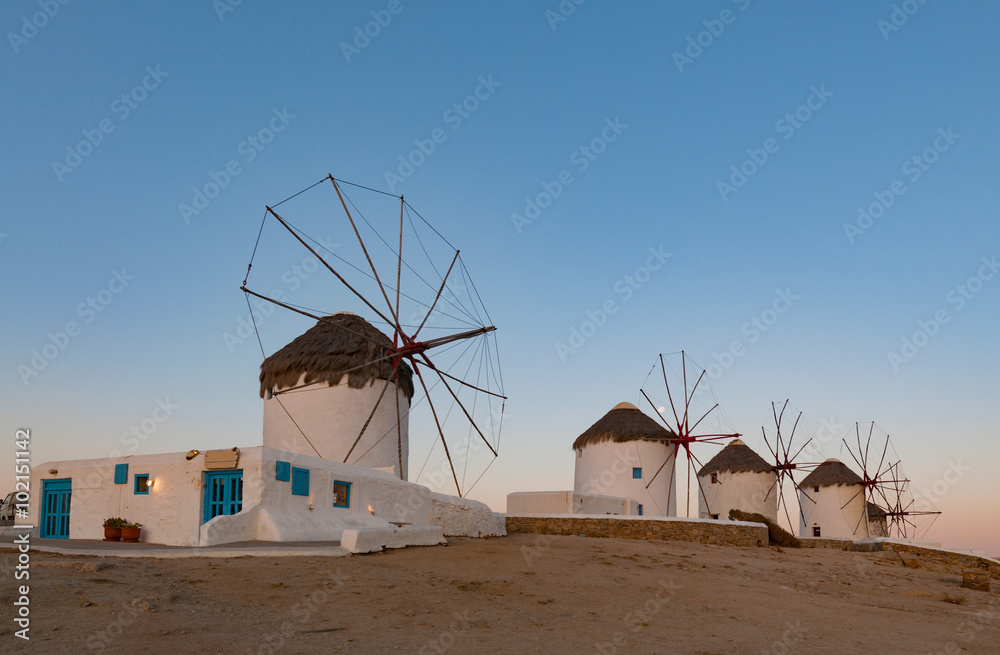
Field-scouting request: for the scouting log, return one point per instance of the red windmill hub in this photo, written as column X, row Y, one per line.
column 684, row 433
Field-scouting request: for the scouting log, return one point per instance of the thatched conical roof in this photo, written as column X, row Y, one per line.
column 830, row 473
column 875, row 512
column 625, row 422
column 337, row 343
column 736, row 457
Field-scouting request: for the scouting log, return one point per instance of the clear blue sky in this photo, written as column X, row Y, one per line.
column 878, row 99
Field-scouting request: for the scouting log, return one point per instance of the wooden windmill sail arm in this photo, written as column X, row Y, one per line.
column 430, row 311
column 371, row 265
column 331, row 268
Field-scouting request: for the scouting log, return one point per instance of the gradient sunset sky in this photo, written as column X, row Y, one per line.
column 837, row 162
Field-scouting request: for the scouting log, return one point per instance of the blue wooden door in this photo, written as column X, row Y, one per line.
column 223, row 493
column 56, row 497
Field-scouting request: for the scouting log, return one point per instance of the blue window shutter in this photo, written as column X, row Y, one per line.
column 300, row 482
column 121, row 473
column 282, row 470
column 636, row 472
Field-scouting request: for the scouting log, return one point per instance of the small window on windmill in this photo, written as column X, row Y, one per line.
column 714, row 517
column 636, row 472
column 640, row 509
column 715, row 478
column 816, row 490
column 816, row 531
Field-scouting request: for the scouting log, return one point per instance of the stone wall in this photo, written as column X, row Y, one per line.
column 723, row 533
column 820, row 542
column 948, row 559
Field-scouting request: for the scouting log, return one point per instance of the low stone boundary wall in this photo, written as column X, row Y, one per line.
column 946, row 558
column 704, row 531
column 820, row 542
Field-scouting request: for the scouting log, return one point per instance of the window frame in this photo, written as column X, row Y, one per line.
column 346, row 484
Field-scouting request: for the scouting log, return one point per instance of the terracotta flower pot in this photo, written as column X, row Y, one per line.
column 112, row 534
column 131, row 535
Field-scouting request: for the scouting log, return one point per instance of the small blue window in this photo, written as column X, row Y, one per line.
column 300, row 482
column 636, row 473
column 341, row 494
column 121, row 473
column 640, row 509
column 142, row 483
column 282, row 470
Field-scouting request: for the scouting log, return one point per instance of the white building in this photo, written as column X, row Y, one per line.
column 312, row 407
column 737, row 478
column 627, row 454
column 832, row 503
column 294, row 488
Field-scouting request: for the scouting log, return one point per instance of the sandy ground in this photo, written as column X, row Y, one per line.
column 522, row 593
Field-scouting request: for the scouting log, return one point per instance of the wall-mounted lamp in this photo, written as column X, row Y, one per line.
column 53, row 471
column 191, row 454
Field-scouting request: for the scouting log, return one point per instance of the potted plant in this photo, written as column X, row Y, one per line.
column 113, row 529
column 131, row 532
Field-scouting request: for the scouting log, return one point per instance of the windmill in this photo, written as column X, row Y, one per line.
column 385, row 263
column 907, row 516
column 685, row 431
column 878, row 481
column 785, row 463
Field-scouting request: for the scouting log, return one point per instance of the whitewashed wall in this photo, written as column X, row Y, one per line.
column 830, row 513
column 606, row 469
column 567, row 502
column 332, row 418
column 745, row 491
column 172, row 511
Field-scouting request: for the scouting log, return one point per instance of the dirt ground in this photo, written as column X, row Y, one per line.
column 521, row 593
